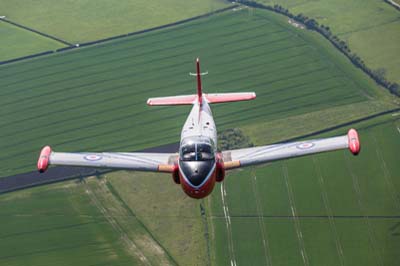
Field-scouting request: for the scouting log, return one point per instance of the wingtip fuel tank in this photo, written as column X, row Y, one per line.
column 354, row 141
column 43, row 161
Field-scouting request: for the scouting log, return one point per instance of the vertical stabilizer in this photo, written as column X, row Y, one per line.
column 199, row 92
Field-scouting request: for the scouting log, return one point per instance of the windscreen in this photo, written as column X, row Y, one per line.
column 197, row 152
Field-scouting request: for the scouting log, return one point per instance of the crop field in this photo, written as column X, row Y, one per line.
column 85, row 20
column 327, row 209
column 58, row 225
column 16, row 42
column 80, row 223
column 94, row 98
column 370, row 27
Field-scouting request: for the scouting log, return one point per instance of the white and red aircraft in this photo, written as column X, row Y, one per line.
column 199, row 165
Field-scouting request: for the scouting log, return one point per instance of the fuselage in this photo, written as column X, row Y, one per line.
column 198, row 158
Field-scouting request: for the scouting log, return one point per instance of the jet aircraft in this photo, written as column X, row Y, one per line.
column 199, row 165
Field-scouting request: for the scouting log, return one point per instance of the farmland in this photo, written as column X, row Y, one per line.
column 94, row 98
column 332, row 208
column 83, row 223
column 84, row 20
column 370, row 27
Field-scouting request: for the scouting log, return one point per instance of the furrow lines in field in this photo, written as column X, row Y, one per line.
column 126, row 143
column 329, row 211
column 118, row 127
column 121, row 109
column 53, row 91
column 248, row 114
column 267, row 252
column 297, row 226
column 276, row 70
column 114, row 78
column 386, row 174
column 152, row 51
column 89, row 100
column 372, row 239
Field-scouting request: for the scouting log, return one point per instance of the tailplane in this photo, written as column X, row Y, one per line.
column 199, row 97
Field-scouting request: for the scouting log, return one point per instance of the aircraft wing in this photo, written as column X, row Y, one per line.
column 139, row 161
column 263, row 154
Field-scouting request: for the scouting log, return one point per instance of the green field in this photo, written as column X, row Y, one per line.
column 17, row 42
column 64, row 224
column 86, row 223
column 370, row 27
column 84, row 20
column 347, row 207
column 94, row 98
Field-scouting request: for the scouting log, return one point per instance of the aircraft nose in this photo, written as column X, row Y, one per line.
column 196, row 172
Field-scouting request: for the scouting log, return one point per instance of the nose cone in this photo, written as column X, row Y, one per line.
column 196, row 172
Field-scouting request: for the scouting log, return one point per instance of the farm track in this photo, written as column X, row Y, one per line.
column 329, row 212
column 296, row 222
column 228, row 226
column 267, row 252
column 128, row 242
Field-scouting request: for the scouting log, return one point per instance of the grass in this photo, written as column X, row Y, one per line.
column 370, row 27
column 101, row 221
column 16, row 42
column 173, row 219
column 84, row 20
column 347, row 207
column 58, row 224
column 94, row 98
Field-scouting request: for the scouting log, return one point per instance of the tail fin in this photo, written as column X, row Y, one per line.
column 199, row 92
column 210, row 98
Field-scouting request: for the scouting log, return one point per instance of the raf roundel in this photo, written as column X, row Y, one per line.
column 305, row 145
column 92, row 157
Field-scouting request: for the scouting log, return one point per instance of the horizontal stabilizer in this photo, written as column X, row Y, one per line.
column 229, row 97
column 173, row 100
column 210, row 98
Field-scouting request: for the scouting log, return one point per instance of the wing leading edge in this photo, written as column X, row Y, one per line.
column 153, row 162
column 263, row 154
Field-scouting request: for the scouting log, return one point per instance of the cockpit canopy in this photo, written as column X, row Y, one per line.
column 197, row 149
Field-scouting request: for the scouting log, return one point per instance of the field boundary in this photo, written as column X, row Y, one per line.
column 76, row 46
column 36, row 31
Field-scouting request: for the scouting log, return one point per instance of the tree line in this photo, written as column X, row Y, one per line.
column 377, row 75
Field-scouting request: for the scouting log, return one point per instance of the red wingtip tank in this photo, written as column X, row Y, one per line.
column 43, row 161
column 354, row 141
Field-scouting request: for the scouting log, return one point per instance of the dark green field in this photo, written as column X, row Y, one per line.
column 329, row 209
column 334, row 208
